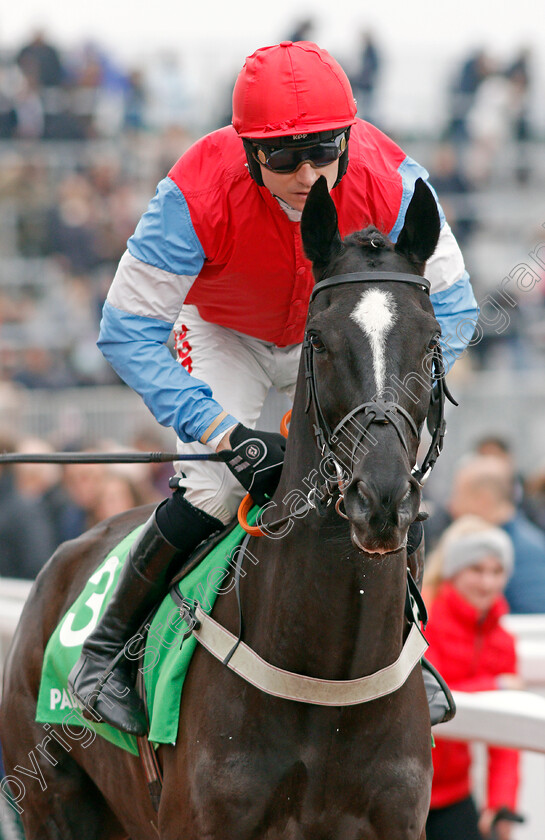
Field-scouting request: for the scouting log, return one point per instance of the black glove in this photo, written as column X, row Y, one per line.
column 255, row 459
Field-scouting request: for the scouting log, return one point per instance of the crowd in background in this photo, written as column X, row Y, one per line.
column 83, row 142
column 60, row 503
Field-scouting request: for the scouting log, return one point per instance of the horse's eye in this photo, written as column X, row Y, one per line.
column 434, row 342
column 317, row 344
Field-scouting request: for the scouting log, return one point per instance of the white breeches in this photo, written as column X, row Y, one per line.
column 240, row 370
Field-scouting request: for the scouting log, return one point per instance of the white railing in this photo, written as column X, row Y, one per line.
column 529, row 631
column 504, row 718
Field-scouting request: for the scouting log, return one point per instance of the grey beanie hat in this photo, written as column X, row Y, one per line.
column 470, row 548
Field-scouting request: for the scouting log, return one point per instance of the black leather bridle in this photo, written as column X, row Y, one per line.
column 379, row 411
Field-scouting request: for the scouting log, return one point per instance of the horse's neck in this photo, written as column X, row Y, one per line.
column 315, row 603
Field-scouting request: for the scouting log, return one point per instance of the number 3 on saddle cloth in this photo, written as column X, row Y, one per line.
column 163, row 660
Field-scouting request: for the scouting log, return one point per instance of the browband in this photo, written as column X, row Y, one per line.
column 369, row 277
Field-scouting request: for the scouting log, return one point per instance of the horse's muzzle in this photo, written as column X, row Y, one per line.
column 380, row 517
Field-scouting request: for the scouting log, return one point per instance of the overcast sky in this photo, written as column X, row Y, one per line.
column 134, row 25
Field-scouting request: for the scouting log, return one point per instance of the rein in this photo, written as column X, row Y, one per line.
column 101, row 457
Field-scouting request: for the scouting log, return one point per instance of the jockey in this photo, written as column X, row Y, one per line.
column 218, row 257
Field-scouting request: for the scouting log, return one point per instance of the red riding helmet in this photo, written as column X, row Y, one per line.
column 291, row 89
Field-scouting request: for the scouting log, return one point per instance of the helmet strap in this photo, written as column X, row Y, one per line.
column 343, row 160
column 253, row 166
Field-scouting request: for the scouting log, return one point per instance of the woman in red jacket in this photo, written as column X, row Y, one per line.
column 467, row 575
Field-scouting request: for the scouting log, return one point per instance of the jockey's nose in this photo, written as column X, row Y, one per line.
column 307, row 174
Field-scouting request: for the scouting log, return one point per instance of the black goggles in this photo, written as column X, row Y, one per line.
column 290, row 158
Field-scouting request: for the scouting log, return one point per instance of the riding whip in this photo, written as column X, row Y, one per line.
column 102, row 457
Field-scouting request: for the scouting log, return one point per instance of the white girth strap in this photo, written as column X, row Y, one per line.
column 252, row 668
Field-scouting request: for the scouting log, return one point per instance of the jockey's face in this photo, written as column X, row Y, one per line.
column 293, row 187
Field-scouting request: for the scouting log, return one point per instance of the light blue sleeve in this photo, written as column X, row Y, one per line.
column 165, row 236
column 136, row 348
column 457, row 312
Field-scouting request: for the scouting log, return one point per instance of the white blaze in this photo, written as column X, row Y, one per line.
column 375, row 314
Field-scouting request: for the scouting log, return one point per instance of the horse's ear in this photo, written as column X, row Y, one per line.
column 420, row 233
column 319, row 226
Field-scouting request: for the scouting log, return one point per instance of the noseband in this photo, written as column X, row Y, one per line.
column 378, row 411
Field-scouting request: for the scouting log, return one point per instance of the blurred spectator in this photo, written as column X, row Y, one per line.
column 29, row 110
column 474, row 653
column 8, row 114
column 84, row 484
column 489, row 120
column 169, row 101
column 500, row 113
column 495, row 446
column 43, row 103
column 473, row 72
column 533, row 503
column 38, row 367
column 42, row 505
column 136, row 102
column 102, row 490
column 484, row 486
column 81, row 95
column 27, row 537
column 518, row 73
column 118, row 494
column 498, row 447
column 43, row 484
column 41, row 62
column 439, row 515
column 302, row 30
column 364, row 80
column 100, row 89
column 74, row 230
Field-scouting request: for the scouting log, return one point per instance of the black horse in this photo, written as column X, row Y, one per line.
column 326, row 600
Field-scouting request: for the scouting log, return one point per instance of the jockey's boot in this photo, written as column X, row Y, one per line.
column 440, row 700
column 102, row 678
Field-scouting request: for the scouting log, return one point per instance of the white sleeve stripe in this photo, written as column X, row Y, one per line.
column 143, row 289
column 446, row 265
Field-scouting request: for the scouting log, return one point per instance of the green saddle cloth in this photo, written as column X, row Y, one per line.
column 165, row 661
